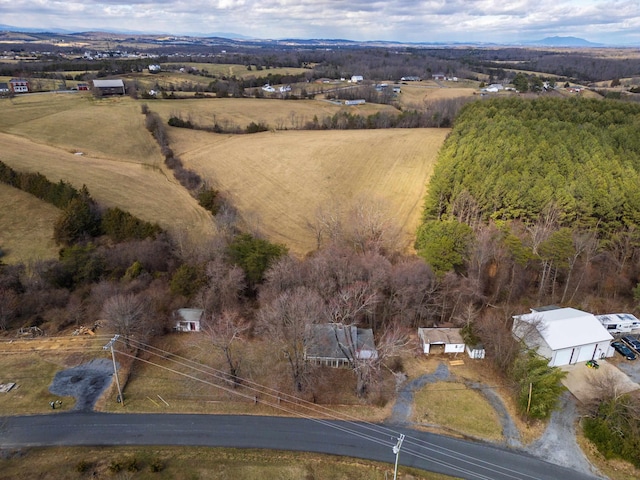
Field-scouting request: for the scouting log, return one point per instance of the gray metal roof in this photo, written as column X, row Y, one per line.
column 108, row 83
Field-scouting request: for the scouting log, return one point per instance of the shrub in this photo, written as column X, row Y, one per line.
column 208, row 198
column 187, row 178
column 186, row 280
column 179, row 122
column 156, row 465
column 172, row 162
column 83, row 466
column 254, row 127
column 254, row 255
column 131, row 464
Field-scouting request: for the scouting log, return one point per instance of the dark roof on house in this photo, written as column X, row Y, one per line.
column 331, row 340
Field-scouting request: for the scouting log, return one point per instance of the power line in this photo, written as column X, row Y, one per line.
column 332, row 414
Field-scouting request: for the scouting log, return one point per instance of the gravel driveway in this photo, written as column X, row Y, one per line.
column 557, row 445
column 85, row 382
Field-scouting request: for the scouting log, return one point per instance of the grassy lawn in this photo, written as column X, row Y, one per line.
column 187, row 463
column 471, row 413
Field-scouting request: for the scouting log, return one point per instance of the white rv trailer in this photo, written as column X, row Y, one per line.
column 619, row 322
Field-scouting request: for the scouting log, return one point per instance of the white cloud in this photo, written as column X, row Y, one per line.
column 608, row 21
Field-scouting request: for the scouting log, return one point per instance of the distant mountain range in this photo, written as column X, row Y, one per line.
column 62, row 31
column 563, row 42
column 545, row 42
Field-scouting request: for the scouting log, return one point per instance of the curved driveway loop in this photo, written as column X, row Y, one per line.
column 85, row 383
column 557, row 445
column 401, row 413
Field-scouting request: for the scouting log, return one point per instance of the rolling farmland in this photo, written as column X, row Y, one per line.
column 276, row 179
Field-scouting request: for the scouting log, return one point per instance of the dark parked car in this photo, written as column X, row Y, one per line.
column 623, row 350
column 632, row 342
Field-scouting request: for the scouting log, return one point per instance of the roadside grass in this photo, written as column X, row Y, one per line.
column 184, row 463
column 481, row 372
column 26, row 227
column 478, row 371
column 278, row 181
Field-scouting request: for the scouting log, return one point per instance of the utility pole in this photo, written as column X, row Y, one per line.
column 115, row 370
column 396, row 450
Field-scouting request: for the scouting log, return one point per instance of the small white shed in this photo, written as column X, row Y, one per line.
column 449, row 338
column 188, row 319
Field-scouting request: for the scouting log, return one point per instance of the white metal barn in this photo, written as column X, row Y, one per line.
column 565, row 336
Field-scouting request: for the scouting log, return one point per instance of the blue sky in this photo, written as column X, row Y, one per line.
column 602, row 21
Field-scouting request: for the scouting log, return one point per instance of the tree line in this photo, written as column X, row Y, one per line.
column 81, row 217
column 435, row 114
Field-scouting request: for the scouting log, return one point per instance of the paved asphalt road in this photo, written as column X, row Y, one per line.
column 469, row 460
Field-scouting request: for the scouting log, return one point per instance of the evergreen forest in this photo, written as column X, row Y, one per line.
column 537, row 200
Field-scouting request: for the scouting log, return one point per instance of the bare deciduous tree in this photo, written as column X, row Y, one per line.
column 327, row 223
column 367, row 364
column 351, row 304
column 494, row 331
column 412, row 293
column 224, row 287
column 346, row 309
column 286, row 321
column 126, row 313
column 286, row 273
column 223, row 331
column 8, row 306
column 371, row 226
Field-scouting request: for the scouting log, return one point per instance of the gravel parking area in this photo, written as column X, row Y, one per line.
column 85, row 383
column 581, row 379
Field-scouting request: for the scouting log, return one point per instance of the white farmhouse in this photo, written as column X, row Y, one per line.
column 565, row 336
